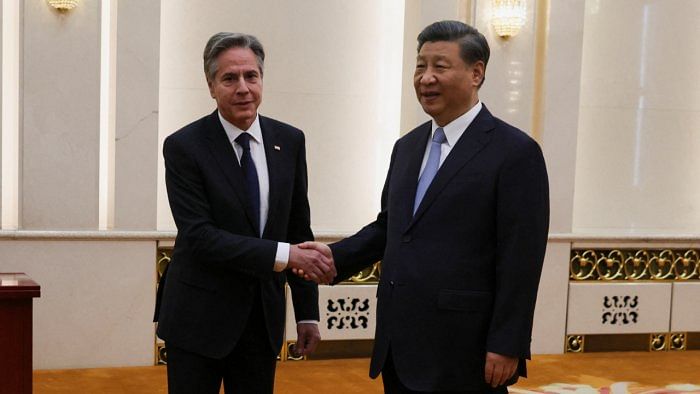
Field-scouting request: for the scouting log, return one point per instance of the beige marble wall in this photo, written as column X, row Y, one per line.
column 59, row 148
column 96, row 302
column 560, row 111
column 640, row 112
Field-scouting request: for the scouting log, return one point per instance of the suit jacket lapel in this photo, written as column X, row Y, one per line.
column 271, row 139
column 225, row 156
column 472, row 141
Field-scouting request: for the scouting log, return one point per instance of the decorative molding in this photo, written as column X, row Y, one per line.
column 288, row 350
column 161, row 354
column 634, row 264
column 678, row 341
column 369, row 275
column 658, row 342
column 88, row 235
column 651, row 342
column 575, row 343
column 620, row 310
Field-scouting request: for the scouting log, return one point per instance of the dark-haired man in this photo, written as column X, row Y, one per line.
column 461, row 234
column 237, row 188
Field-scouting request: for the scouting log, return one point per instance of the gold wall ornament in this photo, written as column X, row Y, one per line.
column 678, row 341
column 657, row 342
column 575, row 343
column 291, row 353
column 163, row 261
column 63, row 5
column 582, row 265
column 686, row 266
column 661, row 265
column 635, row 264
column 367, row 275
column 610, row 266
column 161, row 354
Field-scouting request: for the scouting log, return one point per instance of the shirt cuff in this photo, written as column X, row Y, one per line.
column 308, row 322
column 282, row 257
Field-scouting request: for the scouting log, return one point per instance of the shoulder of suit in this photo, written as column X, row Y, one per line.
column 514, row 143
column 415, row 134
column 279, row 126
column 191, row 130
column 513, row 135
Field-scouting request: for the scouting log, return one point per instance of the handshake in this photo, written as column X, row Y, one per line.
column 312, row 261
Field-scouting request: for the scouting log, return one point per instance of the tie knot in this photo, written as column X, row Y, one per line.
column 244, row 141
column 439, row 136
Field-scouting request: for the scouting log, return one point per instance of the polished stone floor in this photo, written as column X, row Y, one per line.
column 667, row 372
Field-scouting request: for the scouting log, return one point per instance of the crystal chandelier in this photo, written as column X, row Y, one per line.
column 63, row 5
column 508, row 16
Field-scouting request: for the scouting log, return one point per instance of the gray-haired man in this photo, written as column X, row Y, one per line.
column 237, row 188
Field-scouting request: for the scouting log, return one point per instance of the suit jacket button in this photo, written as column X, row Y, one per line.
column 406, row 238
column 391, row 283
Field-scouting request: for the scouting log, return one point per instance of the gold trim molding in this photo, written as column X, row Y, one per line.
column 575, row 343
column 678, row 341
column 652, row 342
column 634, row 264
column 657, row 342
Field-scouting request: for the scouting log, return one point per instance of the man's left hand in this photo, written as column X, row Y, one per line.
column 499, row 368
column 307, row 339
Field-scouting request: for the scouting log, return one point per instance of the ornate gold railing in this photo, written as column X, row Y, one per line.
column 634, row 264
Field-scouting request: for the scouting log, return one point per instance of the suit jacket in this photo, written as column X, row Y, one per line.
column 460, row 277
column 219, row 263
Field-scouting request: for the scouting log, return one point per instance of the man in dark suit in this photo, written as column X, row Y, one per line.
column 461, row 234
column 237, row 187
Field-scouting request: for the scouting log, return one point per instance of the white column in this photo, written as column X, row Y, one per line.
column 9, row 153
column 136, row 143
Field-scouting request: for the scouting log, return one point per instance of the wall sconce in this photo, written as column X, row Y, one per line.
column 63, row 5
column 508, row 16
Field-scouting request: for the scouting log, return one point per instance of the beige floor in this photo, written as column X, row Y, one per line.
column 350, row 375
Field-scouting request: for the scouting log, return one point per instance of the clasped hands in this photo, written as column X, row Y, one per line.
column 312, row 261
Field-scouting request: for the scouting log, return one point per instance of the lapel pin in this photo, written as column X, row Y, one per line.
column 277, row 147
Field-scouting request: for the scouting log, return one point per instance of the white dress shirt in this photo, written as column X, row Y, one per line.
column 453, row 132
column 257, row 153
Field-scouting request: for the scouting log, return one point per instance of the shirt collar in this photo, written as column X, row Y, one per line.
column 454, row 129
column 233, row 132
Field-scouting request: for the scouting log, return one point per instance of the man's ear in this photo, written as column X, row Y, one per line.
column 478, row 71
column 210, row 84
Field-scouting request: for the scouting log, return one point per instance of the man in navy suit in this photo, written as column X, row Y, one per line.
column 237, row 187
column 461, row 234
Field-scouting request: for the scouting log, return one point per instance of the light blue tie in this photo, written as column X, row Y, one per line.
column 431, row 166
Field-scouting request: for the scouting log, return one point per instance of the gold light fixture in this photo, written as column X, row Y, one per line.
column 63, row 5
column 508, row 16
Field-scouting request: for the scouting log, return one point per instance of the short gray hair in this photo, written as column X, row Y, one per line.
column 220, row 42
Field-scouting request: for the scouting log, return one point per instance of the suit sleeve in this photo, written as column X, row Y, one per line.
column 304, row 293
column 366, row 247
column 192, row 213
column 522, row 221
